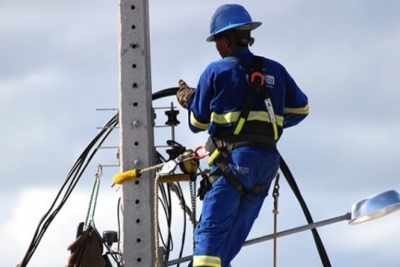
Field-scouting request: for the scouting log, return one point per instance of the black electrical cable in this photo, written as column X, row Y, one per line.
column 170, row 243
column 317, row 239
column 165, row 204
column 74, row 176
column 165, row 93
column 69, row 183
column 165, row 199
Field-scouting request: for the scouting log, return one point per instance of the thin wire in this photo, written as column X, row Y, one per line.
column 275, row 211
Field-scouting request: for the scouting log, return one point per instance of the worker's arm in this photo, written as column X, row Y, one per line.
column 199, row 104
column 296, row 103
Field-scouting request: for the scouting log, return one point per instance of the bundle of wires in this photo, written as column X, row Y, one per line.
column 68, row 186
column 165, row 199
column 76, row 173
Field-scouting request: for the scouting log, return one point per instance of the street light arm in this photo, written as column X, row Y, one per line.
column 344, row 217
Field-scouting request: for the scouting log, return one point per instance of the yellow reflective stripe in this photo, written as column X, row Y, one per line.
column 239, row 126
column 279, row 120
column 198, row 124
column 275, row 127
column 212, row 157
column 229, row 117
column 204, row 260
column 232, row 117
column 303, row 110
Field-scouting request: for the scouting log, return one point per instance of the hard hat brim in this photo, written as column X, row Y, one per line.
column 240, row 26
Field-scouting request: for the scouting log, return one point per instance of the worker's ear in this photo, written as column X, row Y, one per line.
column 227, row 41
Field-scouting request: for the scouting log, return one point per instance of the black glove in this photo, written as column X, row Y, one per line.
column 184, row 93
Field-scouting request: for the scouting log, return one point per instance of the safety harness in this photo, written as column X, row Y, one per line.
column 245, row 133
column 221, row 145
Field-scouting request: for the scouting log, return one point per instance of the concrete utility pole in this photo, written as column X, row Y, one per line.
column 136, row 134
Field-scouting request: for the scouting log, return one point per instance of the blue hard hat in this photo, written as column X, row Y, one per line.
column 228, row 17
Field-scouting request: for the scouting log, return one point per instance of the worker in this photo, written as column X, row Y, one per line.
column 243, row 133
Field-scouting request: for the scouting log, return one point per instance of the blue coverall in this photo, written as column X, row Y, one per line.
column 227, row 216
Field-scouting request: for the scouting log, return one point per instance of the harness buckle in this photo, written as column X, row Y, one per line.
column 257, row 78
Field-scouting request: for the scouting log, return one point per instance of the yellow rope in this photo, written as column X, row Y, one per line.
column 156, row 221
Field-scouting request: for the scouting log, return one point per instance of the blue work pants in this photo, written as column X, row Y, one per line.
column 227, row 216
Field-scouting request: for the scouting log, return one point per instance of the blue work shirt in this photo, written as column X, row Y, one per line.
column 222, row 88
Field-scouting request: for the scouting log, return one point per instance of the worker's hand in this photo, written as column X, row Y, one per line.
column 184, row 93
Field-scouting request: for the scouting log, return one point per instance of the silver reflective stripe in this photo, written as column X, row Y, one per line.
column 270, row 110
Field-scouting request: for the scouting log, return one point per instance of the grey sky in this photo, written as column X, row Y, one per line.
column 59, row 62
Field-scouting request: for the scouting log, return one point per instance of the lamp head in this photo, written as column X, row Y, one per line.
column 375, row 207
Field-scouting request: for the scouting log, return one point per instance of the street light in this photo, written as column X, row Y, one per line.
column 365, row 210
column 375, row 207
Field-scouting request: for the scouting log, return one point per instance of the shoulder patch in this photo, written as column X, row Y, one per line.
column 269, row 79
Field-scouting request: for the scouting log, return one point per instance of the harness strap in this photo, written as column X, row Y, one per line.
column 256, row 86
column 231, row 142
column 223, row 168
column 220, row 154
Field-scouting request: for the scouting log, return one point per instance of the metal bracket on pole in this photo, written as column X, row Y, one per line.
column 136, row 134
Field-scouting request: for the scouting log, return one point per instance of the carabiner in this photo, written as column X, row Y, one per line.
column 204, row 152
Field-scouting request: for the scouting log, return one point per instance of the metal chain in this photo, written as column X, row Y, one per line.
column 93, row 197
column 193, row 187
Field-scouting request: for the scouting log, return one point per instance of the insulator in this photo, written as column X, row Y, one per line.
column 174, row 152
column 110, row 237
column 172, row 117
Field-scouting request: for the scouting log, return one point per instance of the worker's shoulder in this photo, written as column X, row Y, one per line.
column 229, row 63
column 271, row 62
column 226, row 61
column 223, row 63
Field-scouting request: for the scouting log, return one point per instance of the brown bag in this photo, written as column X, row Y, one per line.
column 87, row 250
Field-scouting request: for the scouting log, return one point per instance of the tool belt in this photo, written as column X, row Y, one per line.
column 220, row 148
column 256, row 133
